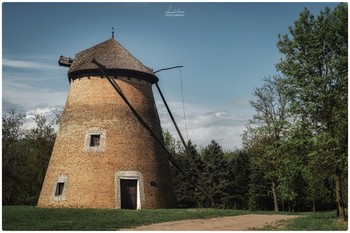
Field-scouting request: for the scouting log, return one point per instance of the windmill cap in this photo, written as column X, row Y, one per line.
column 114, row 57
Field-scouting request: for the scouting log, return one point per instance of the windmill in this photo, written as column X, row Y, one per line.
column 109, row 151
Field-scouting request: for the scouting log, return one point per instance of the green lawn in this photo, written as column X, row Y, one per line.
column 319, row 221
column 32, row 218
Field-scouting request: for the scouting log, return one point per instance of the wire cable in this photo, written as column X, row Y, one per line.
column 183, row 103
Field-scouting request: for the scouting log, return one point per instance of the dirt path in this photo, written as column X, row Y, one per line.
column 235, row 223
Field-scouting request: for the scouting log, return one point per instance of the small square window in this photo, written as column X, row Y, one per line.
column 95, row 140
column 59, row 189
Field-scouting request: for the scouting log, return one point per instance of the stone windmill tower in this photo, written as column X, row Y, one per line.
column 103, row 156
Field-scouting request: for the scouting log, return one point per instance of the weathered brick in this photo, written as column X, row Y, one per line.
column 92, row 176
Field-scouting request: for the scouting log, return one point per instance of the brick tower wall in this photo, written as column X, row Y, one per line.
column 91, row 176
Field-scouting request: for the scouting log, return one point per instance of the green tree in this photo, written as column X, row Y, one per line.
column 39, row 143
column 300, row 163
column 12, row 134
column 173, row 145
column 315, row 66
column 216, row 174
column 259, row 187
column 26, row 153
column 239, row 178
column 255, row 143
column 271, row 118
column 187, row 195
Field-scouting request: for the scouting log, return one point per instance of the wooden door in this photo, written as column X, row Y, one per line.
column 128, row 193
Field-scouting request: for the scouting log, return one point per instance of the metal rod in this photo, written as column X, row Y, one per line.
column 168, row 68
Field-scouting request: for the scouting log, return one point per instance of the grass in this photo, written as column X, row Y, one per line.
column 32, row 218
column 319, row 221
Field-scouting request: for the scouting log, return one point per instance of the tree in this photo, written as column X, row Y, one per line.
column 315, row 66
column 173, row 146
column 12, row 134
column 39, row 142
column 26, row 153
column 255, row 143
column 187, row 195
column 259, row 187
column 216, row 174
column 239, row 178
column 271, row 116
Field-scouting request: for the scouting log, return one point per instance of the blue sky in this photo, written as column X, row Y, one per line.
column 226, row 49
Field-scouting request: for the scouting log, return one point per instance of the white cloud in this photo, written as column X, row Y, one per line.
column 48, row 111
column 28, row 96
column 40, row 110
column 26, row 64
column 203, row 126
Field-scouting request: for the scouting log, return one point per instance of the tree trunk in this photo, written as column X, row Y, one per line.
column 339, row 195
column 313, row 202
column 274, row 192
column 289, row 209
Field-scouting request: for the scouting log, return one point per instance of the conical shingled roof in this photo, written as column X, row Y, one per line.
column 116, row 59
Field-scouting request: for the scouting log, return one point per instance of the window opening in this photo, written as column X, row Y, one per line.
column 95, row 139
column 59, row 189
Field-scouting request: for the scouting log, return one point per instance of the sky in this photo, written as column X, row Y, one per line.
column 226, row 49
